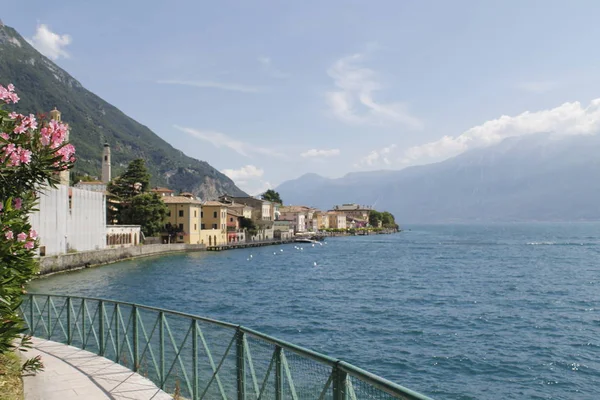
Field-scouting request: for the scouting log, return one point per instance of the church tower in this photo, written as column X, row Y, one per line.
column 64, row 176
column 106, row 163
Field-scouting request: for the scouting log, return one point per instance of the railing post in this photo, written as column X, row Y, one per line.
column 161, row 339
column 117, row 344
column 278, row 374
column 83, row 333
column 69, row 330
column 31, row 328
column 135, row 338
column 101, row 348
column 241, row 365
column 195, row 359
column 339, row 383
column 49, row 319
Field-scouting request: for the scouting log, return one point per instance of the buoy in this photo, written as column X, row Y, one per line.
column 313, row 245
column 315, row 264
column 281, row 250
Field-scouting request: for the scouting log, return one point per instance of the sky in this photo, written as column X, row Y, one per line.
column 266, row 91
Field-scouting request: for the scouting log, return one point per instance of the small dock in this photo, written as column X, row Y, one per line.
column 243, row 245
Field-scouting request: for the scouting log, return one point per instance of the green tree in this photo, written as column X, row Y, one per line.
column 387, row 219
column 147, row 210
column 135, row 180
column 374, row 218
column 249, row 225
column 271, row 195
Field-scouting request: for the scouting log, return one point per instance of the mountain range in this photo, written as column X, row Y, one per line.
column 540, row 177
column 42, row 85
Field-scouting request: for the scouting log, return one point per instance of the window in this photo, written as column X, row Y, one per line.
column 202, row 226
column 195, row 213
column 181, row 213
column 195, row 227
column 180, row 237
column 169, row 213
column 181, row 226
column 214, row 226
column 230, row 219
column 201, row 214
column 215, row 214
column 105, row 158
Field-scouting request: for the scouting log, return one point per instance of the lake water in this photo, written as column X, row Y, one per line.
column 454, row 311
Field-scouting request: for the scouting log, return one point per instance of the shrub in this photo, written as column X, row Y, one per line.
column 33, row 151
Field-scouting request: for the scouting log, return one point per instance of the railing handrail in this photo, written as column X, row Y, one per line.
column 375, row 380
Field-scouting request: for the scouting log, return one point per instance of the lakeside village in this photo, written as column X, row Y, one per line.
column 124, row 211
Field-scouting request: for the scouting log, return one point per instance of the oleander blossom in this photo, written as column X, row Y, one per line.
column 21, row 237
column 8, row 95
column 18, row 203
column 29, row 245
column 9, row 235
column 33, row 234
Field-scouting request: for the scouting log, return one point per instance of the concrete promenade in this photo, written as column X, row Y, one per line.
column 71, row 373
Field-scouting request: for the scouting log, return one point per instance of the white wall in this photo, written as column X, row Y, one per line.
column 81, row 227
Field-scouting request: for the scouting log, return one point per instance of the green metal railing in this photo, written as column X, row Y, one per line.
column 201, row 358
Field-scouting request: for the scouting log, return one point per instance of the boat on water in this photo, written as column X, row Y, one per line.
column 305, row 240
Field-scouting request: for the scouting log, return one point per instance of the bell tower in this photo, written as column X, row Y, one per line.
column 64, row 176
column 106, row 164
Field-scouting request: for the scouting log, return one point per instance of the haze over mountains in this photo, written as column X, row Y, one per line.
column 42, row 85
column 539, row 177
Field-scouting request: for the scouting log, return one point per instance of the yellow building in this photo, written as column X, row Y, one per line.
column 214, row 223
column 185, row 214
column 321, row 220
column 337, row 220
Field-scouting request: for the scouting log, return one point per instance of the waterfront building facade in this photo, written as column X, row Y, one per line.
column 354, row 210
column 184, row 218
column 337, row 220
column 123, row 235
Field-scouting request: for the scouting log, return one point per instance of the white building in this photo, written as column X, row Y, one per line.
column 123, row 235
column 94, row 186
column 70, row 219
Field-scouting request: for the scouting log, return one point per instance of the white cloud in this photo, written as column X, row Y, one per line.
column 268, row 67
column 244, row 173
column 320, row 153
column 566, row 119
column 220, row 140
column 214, row 85
column 538, row 86
column 50, row 44
column 375, row 157
column 353, row 100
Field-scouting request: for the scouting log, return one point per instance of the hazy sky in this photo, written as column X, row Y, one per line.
column 266, row 91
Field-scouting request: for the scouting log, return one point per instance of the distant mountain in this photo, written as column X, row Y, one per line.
column 532, row 178
column 42, row 85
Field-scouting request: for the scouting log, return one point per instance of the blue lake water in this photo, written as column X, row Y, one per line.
column 453, row 311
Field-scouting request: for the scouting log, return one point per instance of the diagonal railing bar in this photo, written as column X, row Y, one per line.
column 148, row 346
column 41, row 315
column 110, row 321
column 125, row 334
column 350, row 389
column 177, row 355
column 58, row 315
column 215, row 375
column 91, row 320
column 267, row 374
column 288, row 375
column 251, row 366
column 326, row 387
column 46, row 319
column 77, row 327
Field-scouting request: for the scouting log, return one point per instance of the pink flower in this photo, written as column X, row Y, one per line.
column 33, row 234
column 10, row 87
column 21, row 237
column 7, row 94
column 14, row 115
column 4, row 136
column 18, row 203
column 9, row 235
column 25, row 156
column 29, row 245
column 1, row 206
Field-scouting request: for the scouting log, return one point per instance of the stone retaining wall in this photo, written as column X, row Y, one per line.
column 66, row 262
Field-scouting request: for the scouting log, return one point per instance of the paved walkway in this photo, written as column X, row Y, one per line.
column 71, row 373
